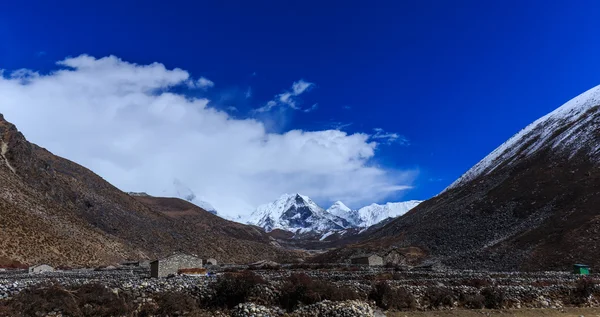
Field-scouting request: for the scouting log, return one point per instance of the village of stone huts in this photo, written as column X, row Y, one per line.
column 370, row 285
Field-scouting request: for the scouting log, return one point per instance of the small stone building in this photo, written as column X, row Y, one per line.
column 210, row 261
column 393, row 257
column 42, row 268
column 371, row 260
column 173, row 264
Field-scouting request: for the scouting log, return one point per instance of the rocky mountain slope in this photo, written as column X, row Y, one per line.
column 532, row 204
column 58, row 212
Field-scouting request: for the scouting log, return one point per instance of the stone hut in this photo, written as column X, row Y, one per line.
column 395, row 258
column 42, row 268
column 210, row 261
column 173, row 264
column 371, row 260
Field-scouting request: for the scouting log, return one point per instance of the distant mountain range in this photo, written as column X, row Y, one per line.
column 301, row 215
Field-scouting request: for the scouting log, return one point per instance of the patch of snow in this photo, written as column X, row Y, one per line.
column 323, row 237
column 3, row 151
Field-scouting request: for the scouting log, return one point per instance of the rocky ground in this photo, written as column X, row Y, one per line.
column 364, row 291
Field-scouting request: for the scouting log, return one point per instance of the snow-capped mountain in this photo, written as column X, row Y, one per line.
column 339, row 209
column 180, row 190
column 296, row 213
column 374, row 213
column 299, row 214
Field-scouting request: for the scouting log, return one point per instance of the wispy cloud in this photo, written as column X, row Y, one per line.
column 248, row 92
column 347, row 107
column 388, row 137
column 201, row 83
column 312, row 108
column 339, row 125
column 288, row 98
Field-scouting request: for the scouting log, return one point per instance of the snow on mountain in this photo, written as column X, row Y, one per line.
column 339, row 209
column 299, row 214
column 295, row 213
column 180, row 190
column 562, row 129
column 374, row 213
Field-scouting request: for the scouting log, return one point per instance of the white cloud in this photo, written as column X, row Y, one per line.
column 312, row 108
column 300, row 87
column 336, row 125
column 388, row 138
column 249, row 92
column 288, row 97
column 201, row 83
column 122, row 121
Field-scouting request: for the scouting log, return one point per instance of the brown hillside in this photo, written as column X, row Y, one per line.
column 56, row 211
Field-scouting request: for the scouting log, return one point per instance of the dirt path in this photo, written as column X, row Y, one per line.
column 566, row 312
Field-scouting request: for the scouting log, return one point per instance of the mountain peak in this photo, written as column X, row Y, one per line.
column 295, row 212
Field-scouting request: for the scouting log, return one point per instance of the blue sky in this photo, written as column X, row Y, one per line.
column 454, row 78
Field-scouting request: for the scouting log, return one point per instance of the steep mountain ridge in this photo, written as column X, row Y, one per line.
column 58, row 212
column 532, row 204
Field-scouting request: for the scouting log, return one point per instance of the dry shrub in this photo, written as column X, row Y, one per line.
column 6, row 310
column 234, row 288
column 475, row 301
column 584, row 288
column 172, row 304
column 99, row 300
column 494, row 297
column 45, row 298
column 301, row 289
column 87, row 300
column 438, row 297
column 387, row 297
